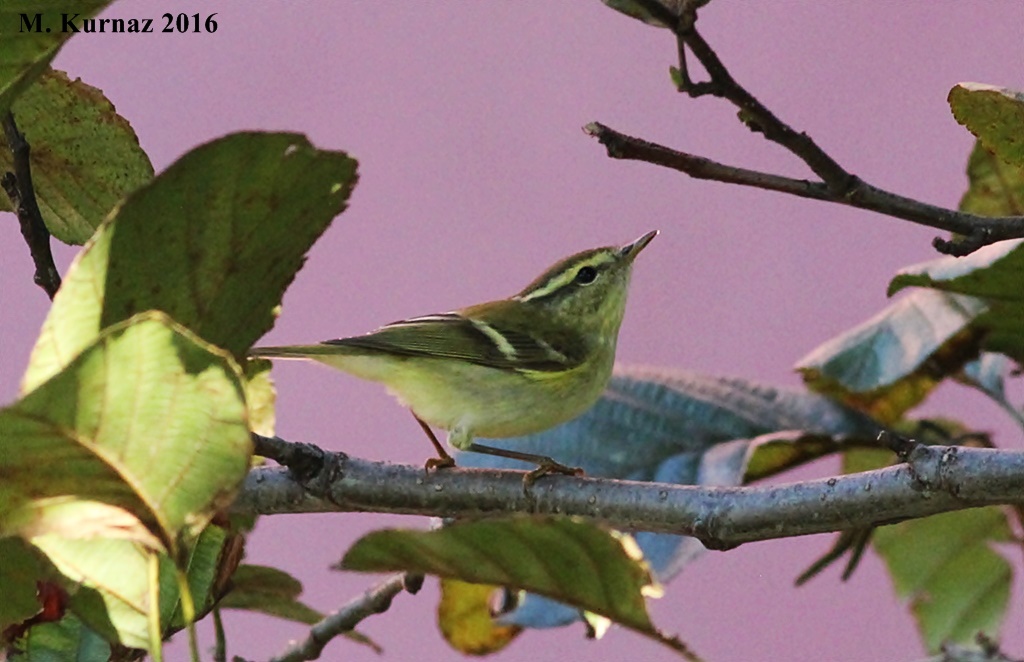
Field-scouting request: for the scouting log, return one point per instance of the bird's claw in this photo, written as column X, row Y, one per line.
column 435, row 463
column 548, row 466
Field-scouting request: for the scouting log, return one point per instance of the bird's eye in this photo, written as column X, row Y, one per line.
column 586, row 275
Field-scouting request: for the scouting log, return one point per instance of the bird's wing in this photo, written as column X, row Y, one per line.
column 458, row 336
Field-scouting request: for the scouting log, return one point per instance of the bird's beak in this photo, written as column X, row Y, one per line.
column 633, row 249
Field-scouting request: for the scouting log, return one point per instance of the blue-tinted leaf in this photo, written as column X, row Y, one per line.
column 670, row 426
column 66, row 639
column 889, row 363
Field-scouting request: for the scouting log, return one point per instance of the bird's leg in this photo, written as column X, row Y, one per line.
column 545, row 464
column 443, row 459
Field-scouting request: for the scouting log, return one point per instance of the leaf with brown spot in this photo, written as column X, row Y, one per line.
column 995, row 115
column 85, row 157
column 25, row 52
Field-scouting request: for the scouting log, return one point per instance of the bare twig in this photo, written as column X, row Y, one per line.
column 758, row 117
column 836, row 185
column 978, row 230
column 374, row 601
column 19, row 189
column 935, row 479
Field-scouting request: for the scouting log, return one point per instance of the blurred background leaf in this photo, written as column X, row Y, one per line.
column 676, row 426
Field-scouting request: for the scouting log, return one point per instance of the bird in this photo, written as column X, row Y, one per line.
column 503, row 368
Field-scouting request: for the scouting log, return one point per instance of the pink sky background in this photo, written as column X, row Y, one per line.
column 475, row 176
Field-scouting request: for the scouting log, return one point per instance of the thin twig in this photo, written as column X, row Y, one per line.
column 836, row 185
column 759, row 118
column 935, row 479
column 374, row 601
column 220, row 648
column 21, row 193
column 981, row 230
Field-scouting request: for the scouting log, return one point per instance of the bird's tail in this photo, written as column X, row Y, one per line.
column 313, row 352
column 353, row 360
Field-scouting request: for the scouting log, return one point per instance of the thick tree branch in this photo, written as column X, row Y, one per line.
column 862, row 196
column 935, row 479
column 836, row 185
column 19, row 189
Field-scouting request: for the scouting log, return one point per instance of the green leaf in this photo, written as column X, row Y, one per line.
column 19, row 570
column 25, row 53
column 996, row 187
column 944, row 564
column 111, row 580
column 773, row 453
column 213, row 242
column 67, row 639
column 995, row 115
column 202, row 567
column 566, row 559
column 149, row 421
column 79, row 456
column 85, row 157
column 111, row 591
column 639, row 10
column 992, row 274
column 866, row 459
column 269, row 591
column 889, row 363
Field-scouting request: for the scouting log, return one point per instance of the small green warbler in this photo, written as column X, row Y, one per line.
column 504, row 368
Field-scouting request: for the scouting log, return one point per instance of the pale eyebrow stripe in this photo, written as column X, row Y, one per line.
column 563, row 278
column 548, row 288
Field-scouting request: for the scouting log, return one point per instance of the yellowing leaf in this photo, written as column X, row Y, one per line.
column 465, row 619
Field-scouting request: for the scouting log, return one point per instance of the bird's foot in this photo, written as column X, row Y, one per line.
column 546, row 466
column 444, row 462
